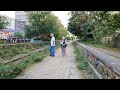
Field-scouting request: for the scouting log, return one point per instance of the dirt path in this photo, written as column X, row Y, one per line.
column 57, row 67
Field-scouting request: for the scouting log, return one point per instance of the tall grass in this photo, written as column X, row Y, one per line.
column 11, row 70
column 82, row 64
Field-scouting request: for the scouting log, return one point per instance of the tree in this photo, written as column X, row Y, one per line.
column 94, row 24
column 18, row 34
column 78, row 22
column 3, row 22
column 42, row 23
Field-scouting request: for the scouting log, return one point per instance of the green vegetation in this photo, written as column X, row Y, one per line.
column 94, row 44
column 8, row 51
column 12, row 70
column 102, row 46
column 3, row 22
column 1, row 43
column 83, row 64
column 42, row 23
column 96, row 25
column 18, row 34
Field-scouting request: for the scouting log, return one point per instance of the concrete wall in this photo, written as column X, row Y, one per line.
column 107, row 65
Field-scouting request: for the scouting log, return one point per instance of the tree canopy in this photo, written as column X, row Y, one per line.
column 3, row 22
column 42, row 23
column 94, row 25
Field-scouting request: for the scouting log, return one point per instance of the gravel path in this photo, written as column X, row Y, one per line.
column 57, row 67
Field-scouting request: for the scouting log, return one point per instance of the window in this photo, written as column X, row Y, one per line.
column 18, row 16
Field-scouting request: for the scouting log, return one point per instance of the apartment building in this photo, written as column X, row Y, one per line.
column 20, row 20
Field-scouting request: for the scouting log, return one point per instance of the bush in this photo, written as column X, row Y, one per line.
column 82, row 65
column 106, row 41
column 111, row 41
column 9, row 53
column 1, row 42
column 45, row 38
column 18, row 34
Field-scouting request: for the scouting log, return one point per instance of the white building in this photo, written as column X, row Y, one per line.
column 20, row 19
column 11, row 23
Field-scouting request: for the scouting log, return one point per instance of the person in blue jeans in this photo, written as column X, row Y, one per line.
column 52, row 45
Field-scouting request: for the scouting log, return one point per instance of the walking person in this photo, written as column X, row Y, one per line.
column 52, row 45
column 63, row 46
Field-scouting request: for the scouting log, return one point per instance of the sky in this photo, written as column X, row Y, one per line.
column 62, row 15
column 10, row 14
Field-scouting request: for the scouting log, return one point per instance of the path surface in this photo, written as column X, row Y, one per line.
column 57, row 67
column 110, row 52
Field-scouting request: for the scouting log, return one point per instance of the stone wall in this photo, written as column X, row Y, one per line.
column 105, row 65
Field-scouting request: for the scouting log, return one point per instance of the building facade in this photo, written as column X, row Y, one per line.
column 20, row 20
column 11, row 23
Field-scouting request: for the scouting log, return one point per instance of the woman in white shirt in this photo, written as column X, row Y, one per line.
column 63, row 46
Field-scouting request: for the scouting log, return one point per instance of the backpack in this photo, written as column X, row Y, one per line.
column 64, row 42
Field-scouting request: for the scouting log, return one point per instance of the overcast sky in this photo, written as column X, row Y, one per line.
column 10, row 14
column 62, row 15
